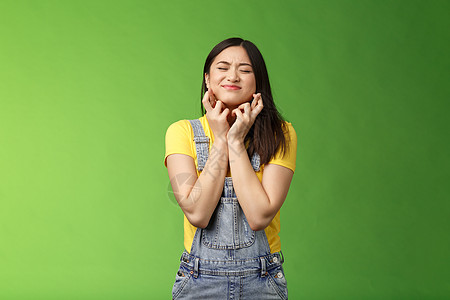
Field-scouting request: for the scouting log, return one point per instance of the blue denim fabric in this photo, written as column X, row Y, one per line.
column 201, row 143
column 257, row 278
column 229, row 260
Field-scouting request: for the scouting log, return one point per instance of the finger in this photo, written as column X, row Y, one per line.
column 247, row 109
column 255, row 100
column 258, row 108
column 238, row 114
column 206, row 102
column 243, row 105
column 225, row 112
column 219, row 106
column 212, row 99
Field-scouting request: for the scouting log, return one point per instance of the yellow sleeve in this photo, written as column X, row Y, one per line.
column 290, row 157
column 179, row 137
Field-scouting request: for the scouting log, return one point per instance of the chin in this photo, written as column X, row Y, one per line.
column 232, row 101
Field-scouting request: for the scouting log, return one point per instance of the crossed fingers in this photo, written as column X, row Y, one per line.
column 250, row 110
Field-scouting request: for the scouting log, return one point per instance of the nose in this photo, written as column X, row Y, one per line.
column 233, row 75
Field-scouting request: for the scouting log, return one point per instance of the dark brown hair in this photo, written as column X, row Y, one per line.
column 266, row 136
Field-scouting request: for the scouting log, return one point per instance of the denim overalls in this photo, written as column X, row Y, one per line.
column 228, row 260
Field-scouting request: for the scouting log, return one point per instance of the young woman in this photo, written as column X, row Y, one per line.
column 230, row 171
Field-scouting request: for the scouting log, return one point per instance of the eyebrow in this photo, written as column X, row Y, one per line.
column 241, row 64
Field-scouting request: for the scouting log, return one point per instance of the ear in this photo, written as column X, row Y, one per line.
column 207, row 80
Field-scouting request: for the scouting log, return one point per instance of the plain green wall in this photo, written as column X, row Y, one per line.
column 88, row 88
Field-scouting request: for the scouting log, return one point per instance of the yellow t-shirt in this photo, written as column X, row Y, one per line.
column 180, row 140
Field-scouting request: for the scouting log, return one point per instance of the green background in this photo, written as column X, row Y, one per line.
column 88, row 88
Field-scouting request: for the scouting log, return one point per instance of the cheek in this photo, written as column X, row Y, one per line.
column 251, row 89
column 214, row 77
column 252, row 85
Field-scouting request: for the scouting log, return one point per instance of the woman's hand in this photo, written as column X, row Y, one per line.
column 217, row 114
column 245, row 114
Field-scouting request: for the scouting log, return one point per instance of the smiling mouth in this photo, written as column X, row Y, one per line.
column 231, row 87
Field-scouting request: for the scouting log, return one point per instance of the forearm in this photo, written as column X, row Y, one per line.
column 205, row 194
column 250, row 193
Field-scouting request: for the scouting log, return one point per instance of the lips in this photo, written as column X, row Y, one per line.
column 231, row 87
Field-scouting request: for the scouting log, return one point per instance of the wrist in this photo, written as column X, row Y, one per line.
column 235, row 140
column 220, row 143
column 236, row 145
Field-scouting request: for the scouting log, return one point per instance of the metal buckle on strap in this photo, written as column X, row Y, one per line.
column 195, row 268
column 263, row 267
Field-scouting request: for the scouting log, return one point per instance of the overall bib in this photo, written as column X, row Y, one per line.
column 228, row 260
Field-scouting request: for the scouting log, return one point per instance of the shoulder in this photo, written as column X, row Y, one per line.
column 179, row 139
column 181, row 125
column 204, row 121
column 185, row 125
column 179, row 133
column 289, row 133
column 180, row 129
column 288, row 157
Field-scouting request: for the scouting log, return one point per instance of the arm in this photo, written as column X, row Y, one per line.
column 260, row 201
column 198, row 197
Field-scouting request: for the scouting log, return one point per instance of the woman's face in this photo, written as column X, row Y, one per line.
column 231, row 77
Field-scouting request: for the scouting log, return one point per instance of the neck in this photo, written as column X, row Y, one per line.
column 231, row 119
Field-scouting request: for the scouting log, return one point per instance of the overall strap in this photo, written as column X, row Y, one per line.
column 256, row 162
column 201, row 143
column 202, row 147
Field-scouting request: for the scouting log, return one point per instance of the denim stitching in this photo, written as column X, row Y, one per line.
column 182, row 285
column 201, row 143
column 276, row 287
column 256, row 162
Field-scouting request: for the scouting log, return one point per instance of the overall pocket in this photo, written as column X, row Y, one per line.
column 181, row 279
column 228, row 227
column 278, row 282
